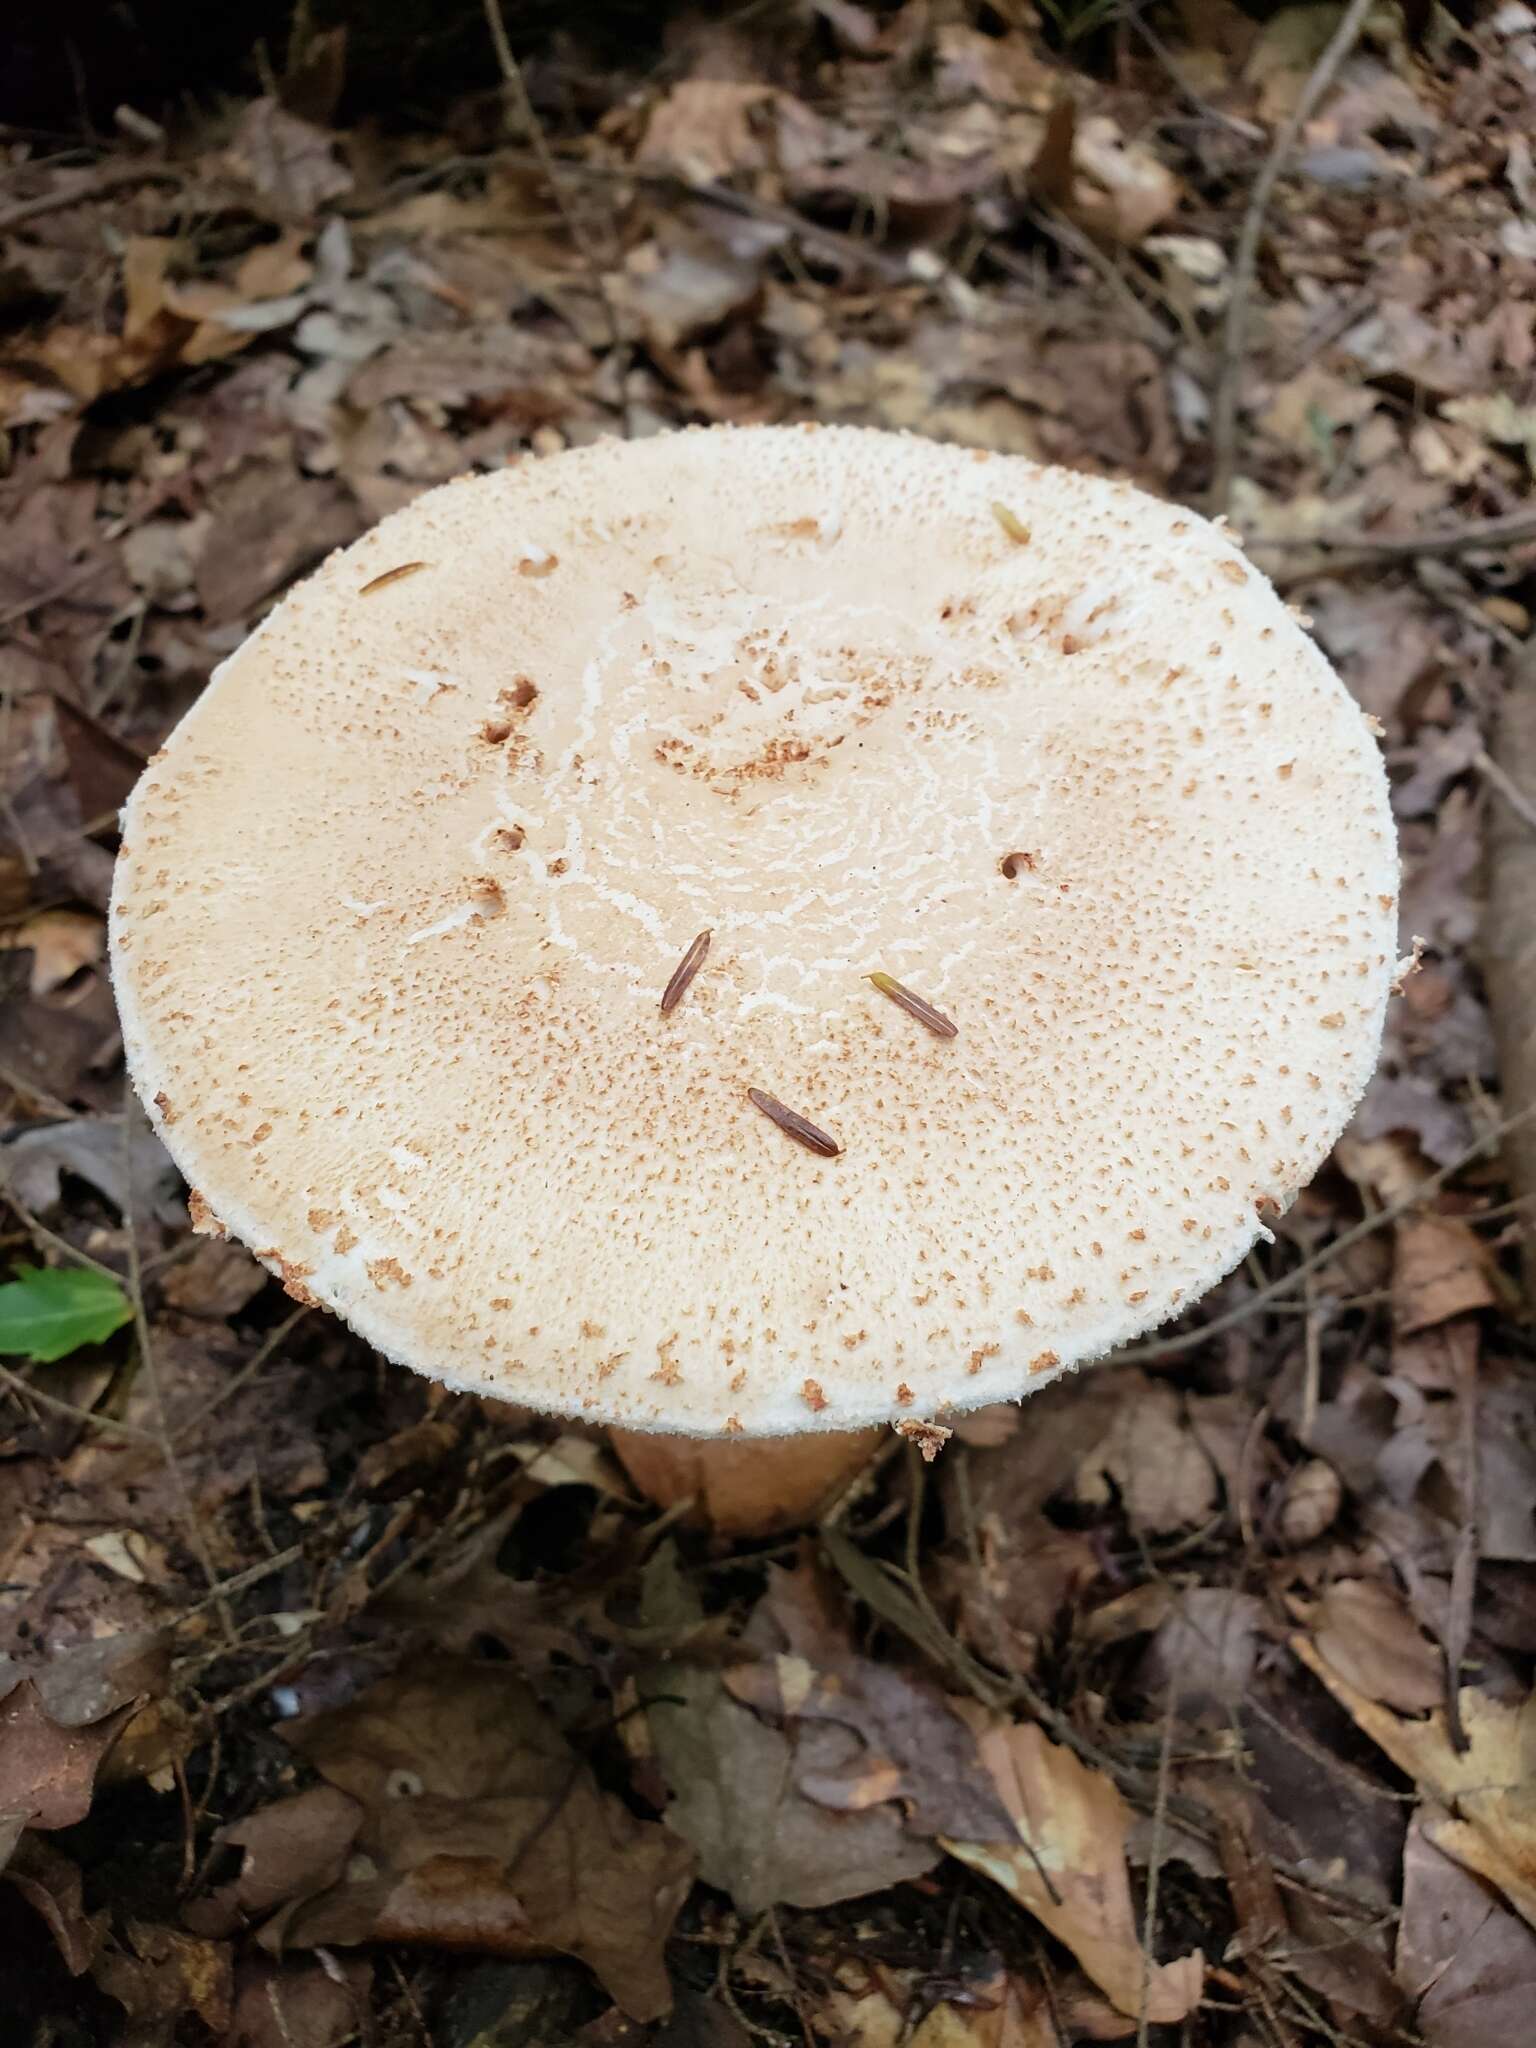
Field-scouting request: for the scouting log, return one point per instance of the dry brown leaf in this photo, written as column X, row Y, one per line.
column 1469, row 1961
column 1439, row 1270
column 1069, row 1867
column 707, row 128
column 58, row 1723
column 292, row 1850
column 159, row 1974
column 51, row 1885
column 735, row 1784
column 992, row 2009
column 217, row 1278
column 1206, row 1647
column 1152, row 1459
column 1119, row 189
column 298, row 2006
column 1488, row 1790
column 913, row 1746
column 1366, row 1632
column 290, row 164
column 61, row 942
column 268, row 524
column 1310, row 1504
column 483, row 1830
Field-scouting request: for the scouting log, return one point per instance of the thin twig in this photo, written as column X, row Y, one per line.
column 1248, row 130
column 1511, row 791
column 109, row 1424
column 703, row 192
column 83, row 572
column 1070, row 237
column 1457, row 1632
column 512, row 76
column 252, row 1366
column 1224, row 399
column 1154, row 1863
column 1170, row 1347
column 241, row 1580
column 83, row 189
column 1507, row 528
column 41, row 1234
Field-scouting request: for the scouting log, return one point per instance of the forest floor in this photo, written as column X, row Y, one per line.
column 346, row 1709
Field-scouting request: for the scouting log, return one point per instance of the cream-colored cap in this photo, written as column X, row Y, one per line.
column 398, row 902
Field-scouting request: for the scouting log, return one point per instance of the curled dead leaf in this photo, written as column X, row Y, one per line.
column 1488, row 1790
column 1068, row 1867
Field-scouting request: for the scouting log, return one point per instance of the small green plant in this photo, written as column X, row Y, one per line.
column 46, row 1312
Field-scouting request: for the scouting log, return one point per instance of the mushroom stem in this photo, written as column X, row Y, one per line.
column 745, row 1486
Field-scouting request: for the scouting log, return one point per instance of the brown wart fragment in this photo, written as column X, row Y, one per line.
column 793, row 1124
column 391, row 576
column 684, row 972
column 929, row 1437
column 204, row 1222
column 924, row 1012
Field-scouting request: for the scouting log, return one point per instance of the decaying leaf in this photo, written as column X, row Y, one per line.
column 1068, row 1867
column 1365, row 1631
column 291, row 1850
column 51, row 1885
column 34, row 1161
column 160, row 1974
column 1152, row 1459
column 1487, row 1791
column 913, row 1747
column 482, row 1829
column 987, row 2008
column 59, row 1721
column 298, row 2004
column 1440, row 1270
column 291, row 164
column 1461, row 1953
column 735, row 1784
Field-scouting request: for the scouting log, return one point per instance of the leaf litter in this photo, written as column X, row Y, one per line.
column 342, row 1708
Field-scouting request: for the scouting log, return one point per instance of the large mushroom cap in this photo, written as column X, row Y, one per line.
column 399, row 899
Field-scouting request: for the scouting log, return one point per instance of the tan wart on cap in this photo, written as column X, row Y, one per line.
column 399, row 901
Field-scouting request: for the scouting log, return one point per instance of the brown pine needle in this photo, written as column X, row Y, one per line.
column 391, row 576
column 924, row 1012
column 686, row 969
column 793, row 1125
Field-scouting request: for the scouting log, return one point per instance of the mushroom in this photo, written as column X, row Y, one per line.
column 1019, row 877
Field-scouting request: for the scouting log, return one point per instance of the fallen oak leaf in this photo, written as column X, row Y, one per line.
column 33, row 1163
column 1488, row 1790
column 158, row 1974
column 1067, row 1866
column 482, row 1829
column 735, row 1783
column 59, row 1721
column 51, row 1885
column 1461, row 1953
column 292, row 1849
column 1439, row 1270
column 1365, row 1631
column 915, row 1748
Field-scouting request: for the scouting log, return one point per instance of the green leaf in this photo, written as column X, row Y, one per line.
column 48, row 1312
